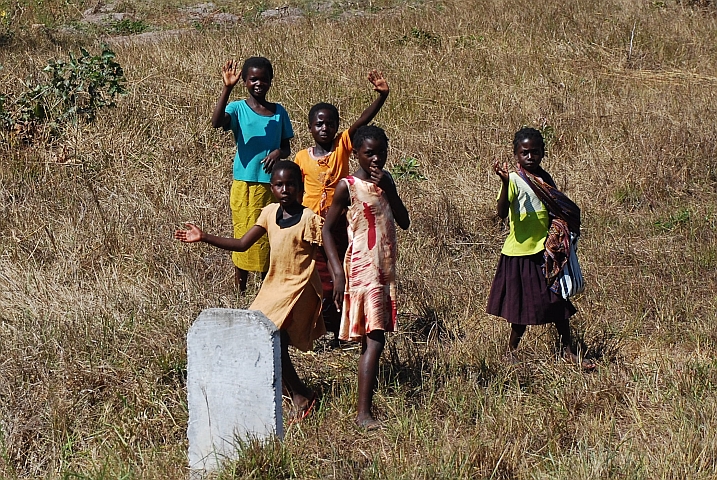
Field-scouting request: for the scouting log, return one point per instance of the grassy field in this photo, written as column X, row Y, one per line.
column 96, row 298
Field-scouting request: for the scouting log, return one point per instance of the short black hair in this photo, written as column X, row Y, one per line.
column 289, row 166
column 257, row 62
column 527, row 133
column 323, row 106
column 368, row 131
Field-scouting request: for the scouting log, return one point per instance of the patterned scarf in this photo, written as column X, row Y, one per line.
column 565, row 218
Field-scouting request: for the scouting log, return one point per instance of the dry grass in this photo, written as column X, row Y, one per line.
column 96, row 298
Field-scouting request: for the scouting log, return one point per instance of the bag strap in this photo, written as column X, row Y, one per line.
column 553, row 198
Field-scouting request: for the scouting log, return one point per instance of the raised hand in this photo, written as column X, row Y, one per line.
column 230, row 75
column 194, row 234
column 380, row 84
column 501, row 170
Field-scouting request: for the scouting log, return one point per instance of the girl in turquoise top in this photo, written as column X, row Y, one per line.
column 262, row 131
column 520, row 292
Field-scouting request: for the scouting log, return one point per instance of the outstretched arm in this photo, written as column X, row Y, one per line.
column 230, row 77
column 382, row 179
column 340, row 202
column 380, row 85
column 502, row 172
column 195, row 234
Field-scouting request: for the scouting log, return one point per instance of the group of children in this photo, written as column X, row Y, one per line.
column 332, row 236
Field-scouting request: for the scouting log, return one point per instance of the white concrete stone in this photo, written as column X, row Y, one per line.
column 233, row 384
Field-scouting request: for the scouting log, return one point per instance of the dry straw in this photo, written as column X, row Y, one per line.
column 97, row 298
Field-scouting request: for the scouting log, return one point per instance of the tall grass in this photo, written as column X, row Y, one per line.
column 96, row 297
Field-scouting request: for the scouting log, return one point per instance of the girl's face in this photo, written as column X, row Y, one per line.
column 286, row 187
column 529, row 154
column 372, row 154
column 323, row 126
column 257, row 82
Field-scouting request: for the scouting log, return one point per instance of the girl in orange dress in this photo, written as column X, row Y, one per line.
column 323, row 166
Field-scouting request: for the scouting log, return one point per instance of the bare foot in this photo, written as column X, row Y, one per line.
column 368, row 423
column 584, row 363
column 510, row 358
column 302, row 407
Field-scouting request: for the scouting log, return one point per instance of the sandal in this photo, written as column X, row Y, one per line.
column 297, row 415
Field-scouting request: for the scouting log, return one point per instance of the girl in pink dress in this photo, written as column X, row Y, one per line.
column 364, row 286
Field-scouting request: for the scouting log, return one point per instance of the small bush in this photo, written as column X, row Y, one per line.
column 408, row 168
column 76, row 89
column 128, row 26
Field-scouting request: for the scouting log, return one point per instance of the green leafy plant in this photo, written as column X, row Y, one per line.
column 127, row 26
column 408, row 168
column 76, row 89
column 420, row 37
column 673, row 221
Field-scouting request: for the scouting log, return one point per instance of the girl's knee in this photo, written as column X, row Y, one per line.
column 377, row 338
column 374, row 342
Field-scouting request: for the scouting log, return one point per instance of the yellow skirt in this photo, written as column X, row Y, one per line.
column 246, row 200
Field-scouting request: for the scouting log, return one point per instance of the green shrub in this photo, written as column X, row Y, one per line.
column 128, row 26
column 75, row 90
column 408, row 168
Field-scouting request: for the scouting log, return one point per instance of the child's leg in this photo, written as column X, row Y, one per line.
column 516, row 333
column 563, row 327
column 566, row 343
column 371, row 348
column 240, row 278
column 300, row 394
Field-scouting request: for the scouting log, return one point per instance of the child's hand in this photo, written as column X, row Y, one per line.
column 381, row 178
column 230, row 76
column 194, row 234
column 380, row 84
column 339, row 287
column 270, row 160
column 501, row 170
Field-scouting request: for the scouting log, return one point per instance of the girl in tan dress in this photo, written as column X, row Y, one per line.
column 290, row 295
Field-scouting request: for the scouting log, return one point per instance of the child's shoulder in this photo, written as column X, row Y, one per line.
column 278, row 108
column 236, row 105
column 546, row 177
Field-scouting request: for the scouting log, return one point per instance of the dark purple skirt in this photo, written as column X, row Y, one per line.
column 520, row 294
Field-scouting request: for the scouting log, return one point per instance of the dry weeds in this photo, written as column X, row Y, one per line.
column 97, row 298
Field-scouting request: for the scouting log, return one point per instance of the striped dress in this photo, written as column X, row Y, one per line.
column 370, row 263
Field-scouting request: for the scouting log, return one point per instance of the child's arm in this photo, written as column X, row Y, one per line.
column 382, row 179
column 195, row 234
column 230, row 77
column 340, row 202
column 502, row 172
column 380, row 85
